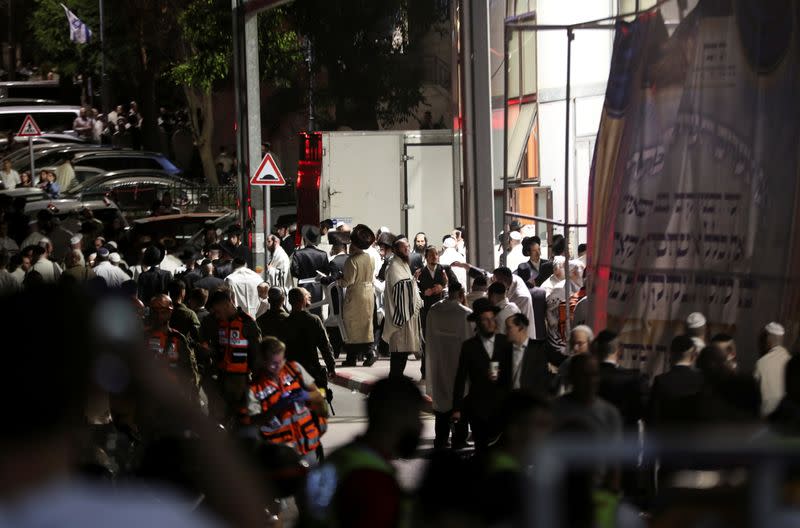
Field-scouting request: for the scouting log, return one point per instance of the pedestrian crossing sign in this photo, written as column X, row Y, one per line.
column 29, row 128
column 268, row 173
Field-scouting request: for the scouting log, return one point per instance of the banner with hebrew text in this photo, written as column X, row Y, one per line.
column 695, row 190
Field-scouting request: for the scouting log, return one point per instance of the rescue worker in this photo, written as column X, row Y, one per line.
column 234, row 341
column 356, row 486
column 171, row 347
column 282, row 401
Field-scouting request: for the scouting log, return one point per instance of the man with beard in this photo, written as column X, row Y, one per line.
column 417, row 257
column 402, row 329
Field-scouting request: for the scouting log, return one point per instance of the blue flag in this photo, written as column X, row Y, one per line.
column 78, row 31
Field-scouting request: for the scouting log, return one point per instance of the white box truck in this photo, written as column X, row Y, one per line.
column 403, row 180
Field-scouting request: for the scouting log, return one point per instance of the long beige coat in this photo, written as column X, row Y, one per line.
column 402, row 303
column 359, row 298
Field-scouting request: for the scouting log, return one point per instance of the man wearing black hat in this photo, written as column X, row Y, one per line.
column 535, row 270
column 307, row 261
column 154, row 280
column 234, row 245
column 339, row 241
column 191, row 273
column 483, row 362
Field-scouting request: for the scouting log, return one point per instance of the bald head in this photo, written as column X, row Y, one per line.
column 263, row 290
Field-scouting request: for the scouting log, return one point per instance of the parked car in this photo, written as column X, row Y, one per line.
column 50, row 118
column 31, row 194
column 67, row 211
column 52, row 156
column 186, row 230
column 136, row 192
column 116, row 160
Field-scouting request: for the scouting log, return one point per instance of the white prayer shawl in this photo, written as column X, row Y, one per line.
column 447, row 328
column 402, row 304
column 244, row 284
column 279, row 268
column 520, row 295
column 451, row 255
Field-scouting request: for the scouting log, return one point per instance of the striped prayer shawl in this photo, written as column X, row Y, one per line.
column 403, row 297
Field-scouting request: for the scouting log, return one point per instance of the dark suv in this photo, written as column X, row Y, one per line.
column 115, row 160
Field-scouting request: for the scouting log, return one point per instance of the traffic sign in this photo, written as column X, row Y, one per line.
column 29, row 128
column 267, row 173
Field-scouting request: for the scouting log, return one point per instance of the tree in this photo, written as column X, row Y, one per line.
column 370, row 55
column 204, row 50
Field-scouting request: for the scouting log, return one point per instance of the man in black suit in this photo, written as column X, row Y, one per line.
column 536, row 270
column 673, row 391
column 154, row 280
column 307, row 261
column 483, row 362
column 234, row 246
column 624, row 388
column 530, row 360
column 338, row 241
column 306, row 338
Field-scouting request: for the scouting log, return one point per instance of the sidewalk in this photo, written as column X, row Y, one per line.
column 360, row 379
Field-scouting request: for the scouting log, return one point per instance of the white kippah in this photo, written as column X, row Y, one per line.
column 515, row 235
column 115, row 258
column 449, row 242
column 76, row 239
column 695, row 320
column 775, row 329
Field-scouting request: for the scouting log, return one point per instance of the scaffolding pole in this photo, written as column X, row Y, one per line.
column 522, row 23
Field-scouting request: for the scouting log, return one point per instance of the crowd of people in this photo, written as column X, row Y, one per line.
column 254, row 352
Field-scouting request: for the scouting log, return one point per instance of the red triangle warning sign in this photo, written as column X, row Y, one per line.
column 29, row 128
column 267, row 173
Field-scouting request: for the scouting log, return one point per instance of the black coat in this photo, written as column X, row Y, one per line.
column 669, row 397
column 241, row 251
column 305, row 264
column 153, row 282
column 535, row 376
column 425, row 281
column 533, row 278
column 539, row 305
column 625, row 389
column 336, row 265
column 473, row 366
column 305, row 334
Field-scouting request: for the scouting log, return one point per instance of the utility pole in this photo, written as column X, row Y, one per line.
column 254, row 207
column 12, row 48
column 310, row 65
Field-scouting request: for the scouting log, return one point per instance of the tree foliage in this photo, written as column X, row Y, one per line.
column 369, row 52
column 205, row 43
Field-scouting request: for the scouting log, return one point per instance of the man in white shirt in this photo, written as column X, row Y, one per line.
column 243, row 283
column 515, row 257
column 113, row 275
column 9, row 176
column 49, row 270
column 518, row 293
column 770, row 368
column 497, row 296
column 450, row 255
column 65, row 173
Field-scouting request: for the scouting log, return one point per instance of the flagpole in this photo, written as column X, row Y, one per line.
column 103, row 81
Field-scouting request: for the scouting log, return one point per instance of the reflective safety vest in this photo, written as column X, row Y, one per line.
column 294, row 425
column 233, row 345
column 605, row 508
column 323, row 482
column 165, row 346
